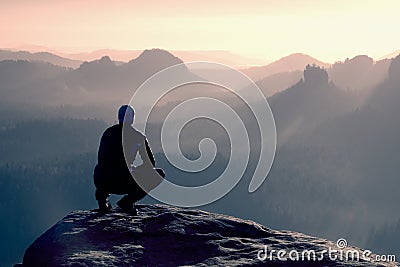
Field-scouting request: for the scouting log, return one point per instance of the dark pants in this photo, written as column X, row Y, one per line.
column 118, row 182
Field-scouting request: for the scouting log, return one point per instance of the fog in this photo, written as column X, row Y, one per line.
column 335, row 172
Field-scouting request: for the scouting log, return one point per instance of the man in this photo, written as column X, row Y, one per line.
column 112, row 174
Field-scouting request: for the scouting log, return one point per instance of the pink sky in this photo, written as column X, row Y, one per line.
column 328, row 30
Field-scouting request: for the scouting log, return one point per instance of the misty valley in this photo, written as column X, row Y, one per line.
column 336, row 168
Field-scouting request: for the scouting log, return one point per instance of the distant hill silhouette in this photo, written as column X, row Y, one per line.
column 394, row 70
column 95, row 75
column 104, row 75
column 98, row 81
column 26, row 82
column 391, row 55
column 40, row 56
column 294, row 62
column 153, row 61
column 366, row 142
column 220, row 56
column 278, row 82
column 387, row 95
column 358, row 73
column 307, row 103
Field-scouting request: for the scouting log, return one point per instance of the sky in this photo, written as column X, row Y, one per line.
column 269, row 29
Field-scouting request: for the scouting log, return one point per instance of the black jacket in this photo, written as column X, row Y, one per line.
column 111, row 151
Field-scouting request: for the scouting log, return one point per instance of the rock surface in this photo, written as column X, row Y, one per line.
column 169, row 236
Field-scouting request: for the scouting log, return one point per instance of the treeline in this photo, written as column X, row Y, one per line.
column 46, row 170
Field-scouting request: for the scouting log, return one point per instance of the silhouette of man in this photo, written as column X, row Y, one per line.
column 112, row 174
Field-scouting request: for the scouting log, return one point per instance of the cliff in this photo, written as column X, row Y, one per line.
column 168, row 236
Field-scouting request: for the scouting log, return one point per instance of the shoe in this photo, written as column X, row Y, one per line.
column 104, row 206
column 127, row 206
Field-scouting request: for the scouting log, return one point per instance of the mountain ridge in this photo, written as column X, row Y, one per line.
column 290, row 63
column 40, row 56
column 358, row 73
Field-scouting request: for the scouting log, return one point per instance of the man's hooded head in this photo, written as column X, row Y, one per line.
column 126, row 114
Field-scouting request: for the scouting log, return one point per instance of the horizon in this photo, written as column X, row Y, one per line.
column 120, row 55
column 329, row 32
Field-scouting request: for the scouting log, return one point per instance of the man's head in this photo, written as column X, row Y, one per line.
column 126, row 114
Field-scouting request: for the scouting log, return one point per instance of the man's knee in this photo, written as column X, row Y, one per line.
column 101, row 194
column 136, row 195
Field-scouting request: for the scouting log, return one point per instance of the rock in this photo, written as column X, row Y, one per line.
column 394, row 70
column 168, row 236
column 314, row 75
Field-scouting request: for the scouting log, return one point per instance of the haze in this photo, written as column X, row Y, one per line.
column 269, row 30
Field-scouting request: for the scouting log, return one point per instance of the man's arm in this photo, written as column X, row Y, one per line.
column 146, row 154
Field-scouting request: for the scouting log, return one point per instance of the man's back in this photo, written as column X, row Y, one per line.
column 111, row 150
